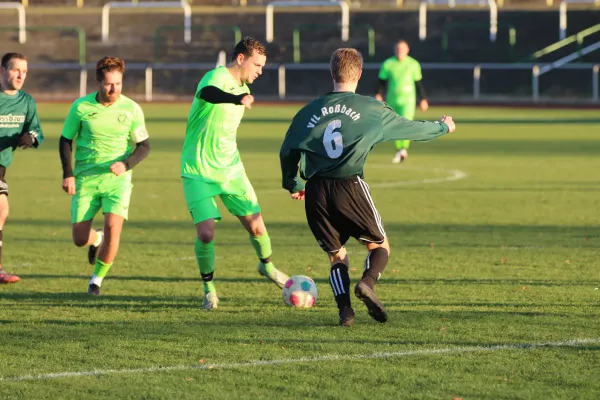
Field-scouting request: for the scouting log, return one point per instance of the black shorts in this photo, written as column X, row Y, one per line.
column 338, row 209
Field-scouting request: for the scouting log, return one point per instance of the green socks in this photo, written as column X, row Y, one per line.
column 205, row 256
column 262, row 247
column 100, row 272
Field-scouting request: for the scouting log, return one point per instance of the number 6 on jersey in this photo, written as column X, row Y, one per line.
column 332, row 139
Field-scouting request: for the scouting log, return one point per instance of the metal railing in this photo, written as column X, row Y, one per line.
column 187, row 14
column 451, row 4
column 578, row 37
column 22, row 24
column 283, row 68
column 562, row 15
column 342, row 4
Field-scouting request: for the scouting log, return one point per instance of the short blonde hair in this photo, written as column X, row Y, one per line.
column 109, row 64
column 346, row 65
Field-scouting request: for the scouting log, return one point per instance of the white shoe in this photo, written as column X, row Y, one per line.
column 211, row 301
column 400, row 156
column 277, row 277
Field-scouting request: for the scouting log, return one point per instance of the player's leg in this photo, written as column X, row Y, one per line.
column 242, row 202
column 4, row 277
column 407, row 111
column 322, row 223
column 85, row 204
column 114, row 200
column 204, row 213
column 365, row 224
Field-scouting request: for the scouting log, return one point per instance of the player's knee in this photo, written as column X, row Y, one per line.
column 206, row 236
column 79, row 239
column 258, row 230
column 3, row 216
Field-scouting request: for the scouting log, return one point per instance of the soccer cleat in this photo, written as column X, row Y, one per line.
column 347, row 317
column 375, row 307
column 94, row 289
column 276, row 276
column 93, row 250
column 211, row 301
column 8, row 278
column 400, row 156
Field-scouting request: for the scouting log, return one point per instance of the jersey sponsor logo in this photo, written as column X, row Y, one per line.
column 11, row 121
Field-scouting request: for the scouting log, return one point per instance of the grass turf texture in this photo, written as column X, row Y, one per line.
column 507, row 254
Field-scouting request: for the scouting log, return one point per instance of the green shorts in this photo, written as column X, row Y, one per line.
column 108, row 192
column 407, row 110
column 237, row 195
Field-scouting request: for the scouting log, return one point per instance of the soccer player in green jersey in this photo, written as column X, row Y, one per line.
column 211, row 166
column 397, row 78
column 105, row 125
column 331, row 138
column 19, row 127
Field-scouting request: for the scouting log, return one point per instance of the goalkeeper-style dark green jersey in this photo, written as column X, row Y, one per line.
column 18, row 114
column 332, row 136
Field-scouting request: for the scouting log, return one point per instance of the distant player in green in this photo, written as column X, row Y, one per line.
column 105, row 125
column 211, row 165
column 331, row 138
column 397, row 78
column 19, row 127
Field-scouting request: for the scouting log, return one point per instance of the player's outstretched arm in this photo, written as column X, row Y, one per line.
column 214, row 95
column 395, row 127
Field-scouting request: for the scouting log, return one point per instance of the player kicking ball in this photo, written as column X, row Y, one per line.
column 211, row 166
column 333, row 136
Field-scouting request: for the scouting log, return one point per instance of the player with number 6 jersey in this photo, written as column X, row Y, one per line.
column 331, row 138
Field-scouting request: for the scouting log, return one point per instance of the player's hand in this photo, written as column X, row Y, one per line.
column 424, row 105
column 118, row 168
column 298, row 195
column 450, row 122
column 247, row 101
column 26, row 140
column 378, row 97
column 68, row 185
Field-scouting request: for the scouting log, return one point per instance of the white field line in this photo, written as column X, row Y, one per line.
column 259, row 363
column 451, row 175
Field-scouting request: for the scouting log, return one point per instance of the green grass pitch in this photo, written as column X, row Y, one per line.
column 494, row 232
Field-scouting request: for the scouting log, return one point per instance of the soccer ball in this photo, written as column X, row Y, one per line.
column 299, row 291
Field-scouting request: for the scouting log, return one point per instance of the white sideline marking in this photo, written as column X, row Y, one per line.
column 452, row 175
column 258, row 363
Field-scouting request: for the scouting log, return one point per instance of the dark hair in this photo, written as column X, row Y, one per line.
column 247, row 47
column 109, row 64
column 11, row 56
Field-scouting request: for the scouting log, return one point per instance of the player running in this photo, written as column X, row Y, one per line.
column 103, row 125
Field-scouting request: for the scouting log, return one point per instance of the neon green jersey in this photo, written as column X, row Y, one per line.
column 103, row 134
column 401, row 77
column 210, row 150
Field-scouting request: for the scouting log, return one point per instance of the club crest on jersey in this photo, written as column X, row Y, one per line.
column 122, row 118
